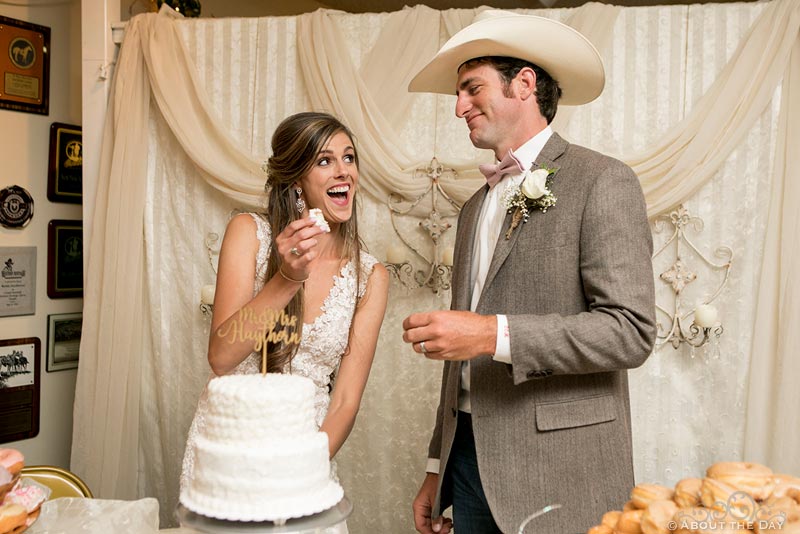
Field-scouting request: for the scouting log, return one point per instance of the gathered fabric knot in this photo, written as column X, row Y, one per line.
column 493, row 173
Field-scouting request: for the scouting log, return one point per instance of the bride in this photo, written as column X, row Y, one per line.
column 283, row 260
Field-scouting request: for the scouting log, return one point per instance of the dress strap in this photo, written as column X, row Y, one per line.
column 264, row 236
column 368, row 262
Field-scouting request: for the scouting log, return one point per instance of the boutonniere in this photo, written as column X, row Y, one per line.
column 533, row 192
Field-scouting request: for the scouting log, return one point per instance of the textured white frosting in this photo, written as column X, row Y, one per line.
column 261, row 456
column 319, row 219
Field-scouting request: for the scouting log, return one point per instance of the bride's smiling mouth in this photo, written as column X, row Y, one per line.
column 339, row 194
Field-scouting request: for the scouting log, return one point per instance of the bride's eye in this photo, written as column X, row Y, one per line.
column 323, row 162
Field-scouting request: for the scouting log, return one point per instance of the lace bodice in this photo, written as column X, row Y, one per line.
column 325, row 340
column 322, row 345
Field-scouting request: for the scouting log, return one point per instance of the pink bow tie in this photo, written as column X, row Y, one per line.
column 493, row 173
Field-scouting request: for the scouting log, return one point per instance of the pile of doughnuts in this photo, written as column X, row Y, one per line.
column 20, row 502
column 733, row 498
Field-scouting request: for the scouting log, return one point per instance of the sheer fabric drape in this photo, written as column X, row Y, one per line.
column 699, row 133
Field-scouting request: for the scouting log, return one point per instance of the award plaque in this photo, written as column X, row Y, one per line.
column 19, row 388
column 17, row 281
column 25, row 66
column 65, row 171
column 16, row 206
column 64, row 259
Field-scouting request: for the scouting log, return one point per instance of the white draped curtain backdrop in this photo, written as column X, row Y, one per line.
column 701, row 100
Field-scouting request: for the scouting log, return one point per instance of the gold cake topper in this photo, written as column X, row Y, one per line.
column 268, row 326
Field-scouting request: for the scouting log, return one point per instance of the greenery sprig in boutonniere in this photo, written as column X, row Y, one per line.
column 533, row 192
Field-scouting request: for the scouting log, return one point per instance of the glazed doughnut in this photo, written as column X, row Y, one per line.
column 629, row 506
column 13, row 460
column 29, row 497
column 776, row 504
column 699, row 520
column 790, row 526
column 6, row 482
column 715, row 494
column 600, row 529
column 610, row 518
column 783, row 483
column 687, row 492
column 12, row 516
column 644, row 494
column 657, row 516
column 755, row 479
column 686, row 519
column 629, row 522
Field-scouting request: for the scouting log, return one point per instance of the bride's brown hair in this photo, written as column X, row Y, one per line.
column 296, row 144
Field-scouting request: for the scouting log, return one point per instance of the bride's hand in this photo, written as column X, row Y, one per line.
column 297, row 247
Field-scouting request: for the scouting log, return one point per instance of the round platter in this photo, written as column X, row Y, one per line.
column 328, row 518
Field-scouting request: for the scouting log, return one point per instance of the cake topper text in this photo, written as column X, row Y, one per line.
column 268, row 326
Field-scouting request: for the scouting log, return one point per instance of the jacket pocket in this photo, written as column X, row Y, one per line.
column 575, row 412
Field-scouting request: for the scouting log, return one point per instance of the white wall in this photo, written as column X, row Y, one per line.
column 24, row 140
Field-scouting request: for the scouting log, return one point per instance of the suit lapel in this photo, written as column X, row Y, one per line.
column 463, row 254
column 551, row 151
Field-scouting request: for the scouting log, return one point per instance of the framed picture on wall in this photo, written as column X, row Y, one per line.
column 63, row 341
column 19, row 388
column 17, row 281
column 25, row 66
column 65, row 168
column 64, row 259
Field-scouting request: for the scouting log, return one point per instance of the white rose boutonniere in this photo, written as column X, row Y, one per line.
column 533, row 192
column 534, row 183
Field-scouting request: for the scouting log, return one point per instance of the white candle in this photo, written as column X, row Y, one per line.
column 705, row 316
column 207, row 294
column 396, row 254
column 447, row 256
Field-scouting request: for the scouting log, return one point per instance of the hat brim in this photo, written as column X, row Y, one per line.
column 555, row 47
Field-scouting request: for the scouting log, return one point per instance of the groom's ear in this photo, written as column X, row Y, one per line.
column 526, row 83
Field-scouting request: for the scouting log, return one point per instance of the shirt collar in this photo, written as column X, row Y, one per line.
column 530, row 149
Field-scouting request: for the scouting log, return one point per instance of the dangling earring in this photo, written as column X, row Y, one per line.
column 300, row 204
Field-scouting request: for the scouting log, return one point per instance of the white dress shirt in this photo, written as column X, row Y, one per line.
column 490, row 224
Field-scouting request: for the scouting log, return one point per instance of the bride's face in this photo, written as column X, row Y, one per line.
column 331, row 183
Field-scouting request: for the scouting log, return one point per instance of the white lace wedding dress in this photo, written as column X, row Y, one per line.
column 321, row 348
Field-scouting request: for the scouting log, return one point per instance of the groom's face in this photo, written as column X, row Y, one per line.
column 487, row 104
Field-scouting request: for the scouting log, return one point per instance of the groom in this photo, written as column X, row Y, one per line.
column 549, row 307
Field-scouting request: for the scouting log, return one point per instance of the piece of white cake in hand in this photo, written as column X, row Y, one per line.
column 319, row 219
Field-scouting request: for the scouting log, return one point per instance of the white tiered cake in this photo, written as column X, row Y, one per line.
column 260, row 456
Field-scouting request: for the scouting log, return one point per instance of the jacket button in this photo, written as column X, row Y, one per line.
column 548, row 372
column 534, row 374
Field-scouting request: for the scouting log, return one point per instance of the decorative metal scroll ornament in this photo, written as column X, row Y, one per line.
column 438, row 274
column 207, row 291
column 704, row 325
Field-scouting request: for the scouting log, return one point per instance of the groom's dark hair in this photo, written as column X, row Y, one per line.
column 548, row 92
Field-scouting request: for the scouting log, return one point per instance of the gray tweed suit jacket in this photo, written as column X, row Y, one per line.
column 576, row 284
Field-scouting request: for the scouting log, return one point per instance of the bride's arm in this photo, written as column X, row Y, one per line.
column 354, row 369
column 228, row 346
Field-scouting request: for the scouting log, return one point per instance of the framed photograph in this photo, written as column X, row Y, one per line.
column 19, row 388
column 25, row 66
column 64, row 259
column 65, row 168
column 17, row 281
column 63, row 341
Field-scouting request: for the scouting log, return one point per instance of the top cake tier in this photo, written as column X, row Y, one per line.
column 250, row 407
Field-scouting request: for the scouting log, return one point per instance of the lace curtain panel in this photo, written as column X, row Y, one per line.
column 175, row 171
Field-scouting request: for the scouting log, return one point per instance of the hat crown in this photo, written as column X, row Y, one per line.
column 487, row 14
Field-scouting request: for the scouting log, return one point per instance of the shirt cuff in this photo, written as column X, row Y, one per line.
column 433, row 466
column 502, row 349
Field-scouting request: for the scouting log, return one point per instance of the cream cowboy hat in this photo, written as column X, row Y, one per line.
column 557, row 48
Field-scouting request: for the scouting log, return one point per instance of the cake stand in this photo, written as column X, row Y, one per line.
column 308, row 524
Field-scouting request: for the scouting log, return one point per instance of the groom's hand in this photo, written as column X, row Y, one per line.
column 423, row 506
column 451, row 335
